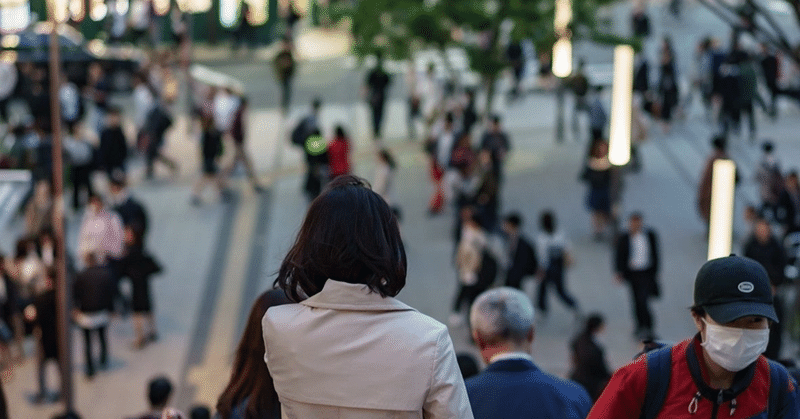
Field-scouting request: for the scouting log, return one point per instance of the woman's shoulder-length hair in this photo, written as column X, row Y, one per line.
column 349, row 234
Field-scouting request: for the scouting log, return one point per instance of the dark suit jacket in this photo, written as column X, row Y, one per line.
column 623, row 254
column 523, row 263
column 591, row 370
column 517, row 389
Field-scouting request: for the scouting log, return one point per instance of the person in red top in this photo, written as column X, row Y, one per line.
column 339, row 154
column 720, row 372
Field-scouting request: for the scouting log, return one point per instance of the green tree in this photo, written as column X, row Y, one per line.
column 399, row 28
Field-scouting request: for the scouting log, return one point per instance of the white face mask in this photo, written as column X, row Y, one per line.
column 733, row 348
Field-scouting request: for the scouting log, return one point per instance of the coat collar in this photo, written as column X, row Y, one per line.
column 339, row 295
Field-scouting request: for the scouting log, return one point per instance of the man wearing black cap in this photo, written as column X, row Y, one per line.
column 720, row 372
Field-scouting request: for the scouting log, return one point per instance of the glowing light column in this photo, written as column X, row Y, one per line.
column 720, row 227
column 619, row 149
column 562, row 49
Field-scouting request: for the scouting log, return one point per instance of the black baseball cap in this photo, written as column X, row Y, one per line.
column 733, row 287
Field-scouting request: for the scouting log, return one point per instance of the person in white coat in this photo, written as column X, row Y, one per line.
column 349, row 349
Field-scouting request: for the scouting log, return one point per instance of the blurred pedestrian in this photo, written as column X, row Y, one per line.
column 770, row 70
column 668, row 84
column 143, row 102
column 210, row 150
column 516, row 60
column 97, row 91
column 598, row 117
column 718, row 372
column 100, row 232
column 522, row 255
column 636, row 262
column 440, row 149
column 512, row 386
column 749, row 95
column 383, row 183
column 159, row 393
column 45, row 317
column 317, row 164
column 789, row 204
column 139, row 266
column 472, row 244
column 339, row 153
column 349, row 261
column 199, row 412
column 39, row 209
column 579, row 84
column 496, row 142
column 430, row 93
column 589, row 366
column 555, row 255
column 307, row 124
column 719, row 152
column 377, row 86
column 131, row 212
column 94, row 290
column 284, row 72
column 250, row 393
column 159, row 120
column 81, row 161
column 238, row 135
column 113, row 149
column 597, row 173
column 770, row 182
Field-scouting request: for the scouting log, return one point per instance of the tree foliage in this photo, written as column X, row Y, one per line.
column 480, row 27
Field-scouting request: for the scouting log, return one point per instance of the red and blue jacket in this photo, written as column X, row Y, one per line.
column 688, row 396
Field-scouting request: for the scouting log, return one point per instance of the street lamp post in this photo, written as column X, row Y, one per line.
column 619, row 150
column 62, row 288
column 720, row 228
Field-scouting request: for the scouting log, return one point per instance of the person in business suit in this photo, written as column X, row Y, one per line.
column 521, row 252
column 636, row 262
column 590, row 368
column 512, row 386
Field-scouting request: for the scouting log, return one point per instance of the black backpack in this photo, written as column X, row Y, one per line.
column 301, row 132
column 659, row 364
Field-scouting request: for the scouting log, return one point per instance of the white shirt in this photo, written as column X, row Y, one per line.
column 444, row 146
column 505, row 356
column 225, row 107
column 70, row 97
column 142, row 105
column 544, row 243
column 640, row 252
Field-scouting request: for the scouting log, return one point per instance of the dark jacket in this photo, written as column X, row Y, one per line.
column 523, row 263
column 94, row 290
column 771, row 255
column 132, row 213
column 517, row 389
column 46, row 319
column 622, row 254
column 113, row 148
column 591, row 370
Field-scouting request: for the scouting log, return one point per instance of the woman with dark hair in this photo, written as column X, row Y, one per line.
column 588, row 362
column 250, row 394
column 598, row 174
column 349, row 349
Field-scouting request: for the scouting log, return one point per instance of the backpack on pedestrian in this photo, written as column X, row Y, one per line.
column 301, row 132
column 659, row 364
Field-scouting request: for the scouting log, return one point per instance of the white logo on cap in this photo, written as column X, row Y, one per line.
column 746, row 287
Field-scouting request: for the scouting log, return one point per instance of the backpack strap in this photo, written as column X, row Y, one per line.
column 659, row 370
column 778, row 385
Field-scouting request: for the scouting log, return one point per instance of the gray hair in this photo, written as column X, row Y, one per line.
column 502, row 314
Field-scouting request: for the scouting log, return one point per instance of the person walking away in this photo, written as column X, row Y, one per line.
column 763, row 247
column 317, row 161
column 159, row 394
column 789, row 204
column 284, row 72
column 143, row 102
column 377, row 86
column 730, row 86
column 139, row 266
column 347, row 263
column 597, row 173
column 113, row 149
column 589, row 366
column 383, row 183
column 440, row 151
column 516, row 59
column 39, row 210
column 339, row 153
column 469, row 259
column 770, row 70
column 522, row 255
column 495, row 141
column 70, row 100
column 81, row 158
column 636, row 262
column 749, row 93
column 47, row 333
column 512, row 386
column 556, row 256
column 238, row 135
column 668, row 85
column 94, row 299
column 430, row 93
column 250, row 393
column 719, row 145
column 719, row 372
column 159, row 121
column 598, row 118
column 210, row 149
column 770, row 182
column 579, row 84
column 307, row 125
column 131, row 212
